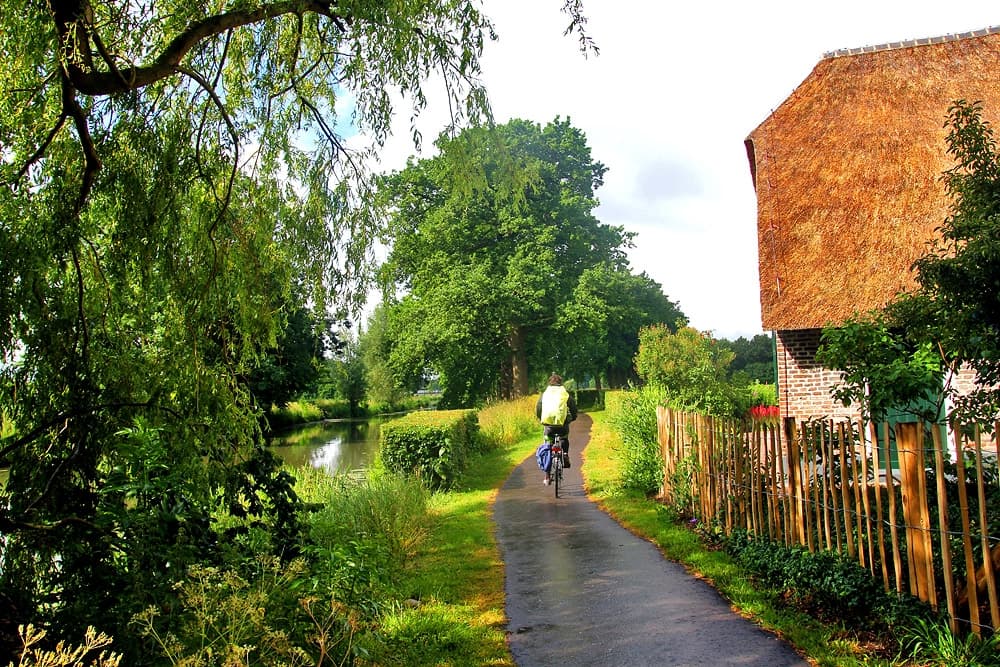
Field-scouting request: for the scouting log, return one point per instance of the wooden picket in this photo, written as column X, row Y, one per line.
column 828, row 485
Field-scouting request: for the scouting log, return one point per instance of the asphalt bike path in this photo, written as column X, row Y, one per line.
column 581, row 590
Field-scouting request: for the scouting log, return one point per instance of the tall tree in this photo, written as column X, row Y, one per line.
column 689, row 366
column 754, row 358
column 483, row 272
column 168, row 168
column 599, row 327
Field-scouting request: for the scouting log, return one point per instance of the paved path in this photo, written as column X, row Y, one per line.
column 581, row 590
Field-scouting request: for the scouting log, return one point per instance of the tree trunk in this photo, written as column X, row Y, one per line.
column 518, row 363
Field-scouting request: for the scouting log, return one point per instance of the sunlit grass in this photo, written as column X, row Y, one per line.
column 507, row 422
column 454, row 612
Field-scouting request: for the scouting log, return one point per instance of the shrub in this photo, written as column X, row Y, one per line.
column 431, row 445
column 824, row 584
column 633, row 414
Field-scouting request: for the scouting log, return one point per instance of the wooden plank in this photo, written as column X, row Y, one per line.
column 806, row 465
column 923, row 509
column 963, row 507
column 845, row 497
column 834, row 491
column 856, row 488
column 912, row 472
column 814, row 513
column 774, row 499
column 991, row 584
column 942, row 502
column 897, row 560
column 825, row 485
column 878, row 507
column 866, row 499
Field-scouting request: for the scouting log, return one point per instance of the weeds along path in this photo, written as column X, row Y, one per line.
column 581, row 590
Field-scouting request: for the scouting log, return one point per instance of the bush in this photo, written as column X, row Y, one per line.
column 824, row 584
column 431, row 445
column 633, row 414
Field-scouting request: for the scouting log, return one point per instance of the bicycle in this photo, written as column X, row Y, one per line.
column 556, row 470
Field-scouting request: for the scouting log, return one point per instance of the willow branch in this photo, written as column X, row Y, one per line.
column 92, row 161
column 92, row 82
column 37, row 155
column 36, row 432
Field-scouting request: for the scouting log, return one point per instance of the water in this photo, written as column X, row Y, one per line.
column 336, row 446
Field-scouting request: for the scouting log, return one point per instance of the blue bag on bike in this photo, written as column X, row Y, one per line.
column 544, row 456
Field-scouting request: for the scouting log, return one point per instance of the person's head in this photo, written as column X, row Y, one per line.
column 555, row 379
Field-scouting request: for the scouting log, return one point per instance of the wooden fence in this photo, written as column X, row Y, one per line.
column 887, row 496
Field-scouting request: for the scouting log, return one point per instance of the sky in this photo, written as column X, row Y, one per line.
column 677, row 87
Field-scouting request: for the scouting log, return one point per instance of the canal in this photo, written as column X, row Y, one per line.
column 334, row 446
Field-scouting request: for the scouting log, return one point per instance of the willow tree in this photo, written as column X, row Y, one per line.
column 170, row 170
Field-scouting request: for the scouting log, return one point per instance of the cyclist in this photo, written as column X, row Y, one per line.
column 556, row 409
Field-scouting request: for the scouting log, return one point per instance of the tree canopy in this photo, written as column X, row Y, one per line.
column 494, row 287
column 690, row 367
column 171, row 172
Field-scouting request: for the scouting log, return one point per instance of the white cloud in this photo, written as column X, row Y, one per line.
column 666, row 107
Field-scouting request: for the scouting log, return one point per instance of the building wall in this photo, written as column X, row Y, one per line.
column 803, row 384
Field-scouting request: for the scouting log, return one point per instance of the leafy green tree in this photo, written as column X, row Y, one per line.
column 169, row 171
column 900, row 356
column 347, row 373
column 484, row 272
column 599, row 326
column 690, row 366
column 754, row 358
column 292, row 367
column 383, row 388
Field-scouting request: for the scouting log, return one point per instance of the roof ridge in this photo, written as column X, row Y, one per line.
column 992, row 30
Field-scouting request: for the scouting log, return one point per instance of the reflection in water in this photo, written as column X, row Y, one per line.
column 337, row 447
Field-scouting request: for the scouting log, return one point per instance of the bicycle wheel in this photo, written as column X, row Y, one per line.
column 557, row 468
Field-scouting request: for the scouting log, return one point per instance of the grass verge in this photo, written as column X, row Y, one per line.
column 457, row 575
column 820, row 644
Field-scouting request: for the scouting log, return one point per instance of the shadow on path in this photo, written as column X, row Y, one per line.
column 581, row 590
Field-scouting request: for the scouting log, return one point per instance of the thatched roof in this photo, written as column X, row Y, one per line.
column 847, row 172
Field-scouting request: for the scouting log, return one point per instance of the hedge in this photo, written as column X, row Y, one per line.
column 431, row 445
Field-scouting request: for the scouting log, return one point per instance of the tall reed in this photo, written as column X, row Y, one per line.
column 505, row 423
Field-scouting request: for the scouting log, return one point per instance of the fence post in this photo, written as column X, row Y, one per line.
column 844, row 495
column 942, row 499
column 912, row 470
column 877, row 474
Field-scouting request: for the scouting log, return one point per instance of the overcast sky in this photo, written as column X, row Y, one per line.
column 666, row 106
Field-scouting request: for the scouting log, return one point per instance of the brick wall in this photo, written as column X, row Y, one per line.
column 803, row 384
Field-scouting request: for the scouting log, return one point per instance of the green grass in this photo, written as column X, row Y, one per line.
column 822, row 645
column 455, row 579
